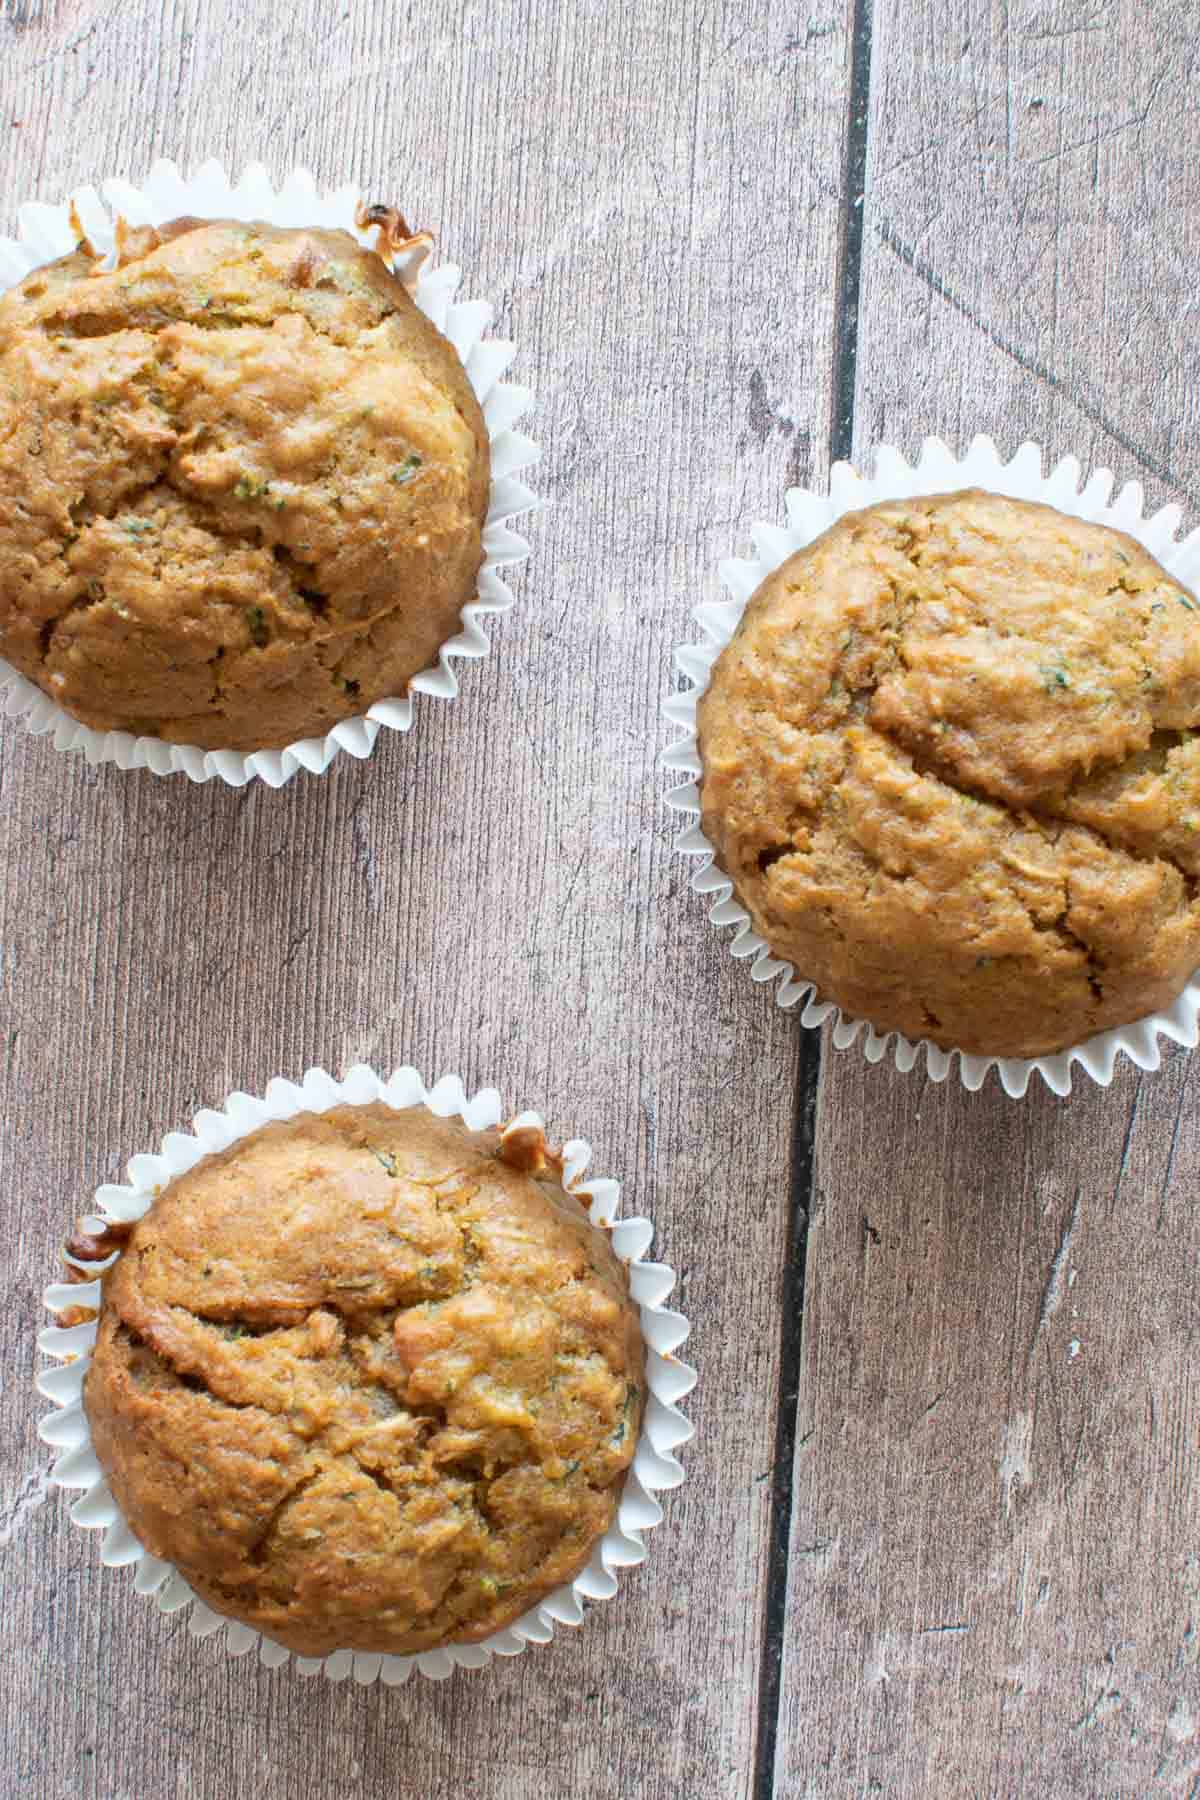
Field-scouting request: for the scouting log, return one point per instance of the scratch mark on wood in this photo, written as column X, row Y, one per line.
column 1103, row 1707
column 62, row 51
column 294, row 946
column 1015, row 1466
column 1136, row 121
column 928, row 145
column 814, row 31
column 1164, row 1191
column 929, row 1411
column 1098, row 21
column 1032, row 365
column 1052, row 1293
column 364, row 855
column 820, row 1548
column 17, row 1512
column 1127, row 1142
column 565, row 904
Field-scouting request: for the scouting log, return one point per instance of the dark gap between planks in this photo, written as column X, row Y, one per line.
column 808, row 1061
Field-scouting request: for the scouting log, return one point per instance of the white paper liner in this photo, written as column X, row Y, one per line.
column 654, row 1465
column 45, row 233
column 936, row 471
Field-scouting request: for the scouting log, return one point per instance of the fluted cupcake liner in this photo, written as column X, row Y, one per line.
column 46, row 232
column 936, row 471
column 654, row 1466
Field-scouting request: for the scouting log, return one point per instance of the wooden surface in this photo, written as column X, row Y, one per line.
column 993, row 1585
column 995, row 1546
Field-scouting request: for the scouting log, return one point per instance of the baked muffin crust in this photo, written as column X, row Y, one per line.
column 950, row 764
column 367, row 1383
column 243, row 481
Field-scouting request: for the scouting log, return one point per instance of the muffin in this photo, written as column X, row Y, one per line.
column 950, row 765
column 368, row 1379
column 243, row 483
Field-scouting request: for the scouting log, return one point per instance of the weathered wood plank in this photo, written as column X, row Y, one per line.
column 994, row 1586
column 1031, row 231
column 649, row 194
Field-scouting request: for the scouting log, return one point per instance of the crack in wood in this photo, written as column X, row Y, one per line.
column 803, row 1197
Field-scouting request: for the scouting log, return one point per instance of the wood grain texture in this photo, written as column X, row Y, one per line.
column 994, row 1580
column 1031, row 232
column 994, row 1585
column 649, row 194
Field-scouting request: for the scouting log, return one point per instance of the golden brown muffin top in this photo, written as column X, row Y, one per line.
column 950, row 764
column 243, row 481
column 371, row 1380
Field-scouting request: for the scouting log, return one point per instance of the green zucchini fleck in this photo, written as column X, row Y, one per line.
column 250, row 488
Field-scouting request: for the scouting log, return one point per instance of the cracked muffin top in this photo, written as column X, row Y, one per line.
column 243, row 481
column 369, row 1379
column 950, row 764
